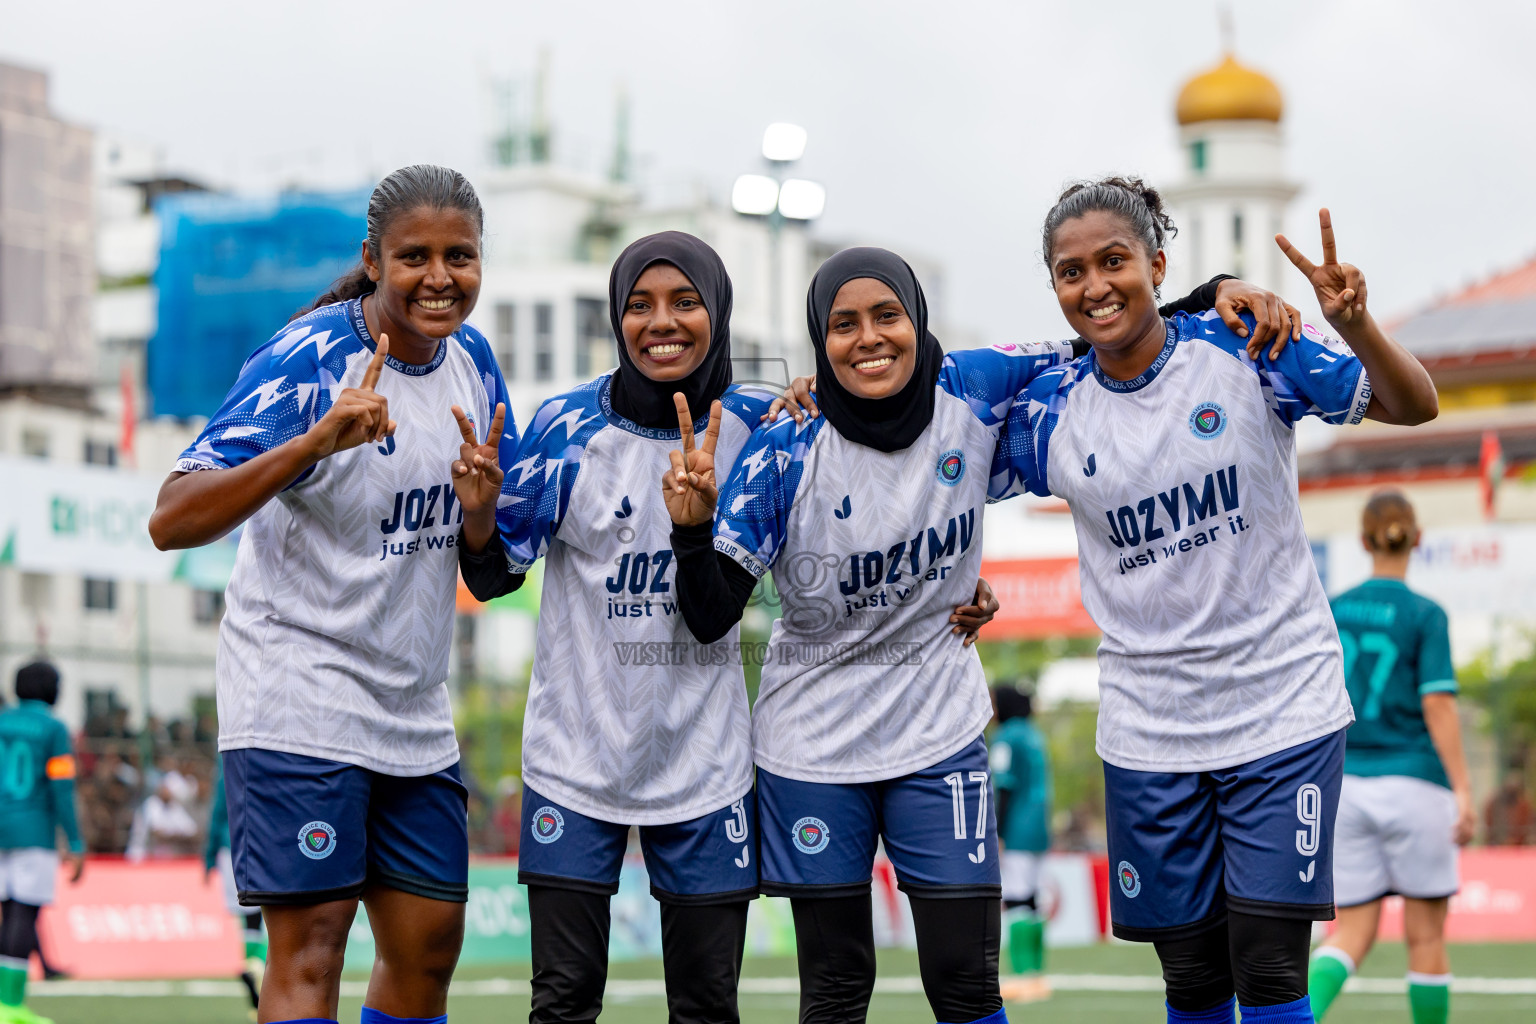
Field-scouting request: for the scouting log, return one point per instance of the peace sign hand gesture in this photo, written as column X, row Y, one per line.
column 358, row 415
column 477, row 474
column 1340, row 287
column 688, row 484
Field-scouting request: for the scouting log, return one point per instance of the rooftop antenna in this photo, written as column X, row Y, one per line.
column 504, row 139
column 619, row 170
column 538, row 137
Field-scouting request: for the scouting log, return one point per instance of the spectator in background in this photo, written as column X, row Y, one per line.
column 1021, row 775
column 106, row 800
column 1508, row 817
column 163, row 826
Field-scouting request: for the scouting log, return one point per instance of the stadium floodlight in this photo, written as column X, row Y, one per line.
column 802, row 200
column 755, row 194
column 783, row 143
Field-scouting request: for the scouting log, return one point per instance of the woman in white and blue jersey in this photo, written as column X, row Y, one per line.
column 350, row 447
column 625, row 726
column 1223, row 708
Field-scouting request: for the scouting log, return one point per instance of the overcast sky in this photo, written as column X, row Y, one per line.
column 946, row 128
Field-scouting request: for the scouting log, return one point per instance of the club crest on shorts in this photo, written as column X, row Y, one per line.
column 317, row 840
column 1130, row 880
column 548, row 824
column 811, row 835
column 951, row 468
column 1207, row 420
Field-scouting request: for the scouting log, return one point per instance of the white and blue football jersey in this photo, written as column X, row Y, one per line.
column 340, row 609
column 629, row 720
column 1218, row 646
column 871, row 552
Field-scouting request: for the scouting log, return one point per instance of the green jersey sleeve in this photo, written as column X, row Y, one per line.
column 1436, row 674
column 60, row 770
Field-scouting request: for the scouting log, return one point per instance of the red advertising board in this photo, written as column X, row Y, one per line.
column 157, row 919
column 1497, row 901
column 1039, row 597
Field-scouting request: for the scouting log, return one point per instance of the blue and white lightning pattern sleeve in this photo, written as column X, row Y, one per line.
column 1315, row 376
column 542, row 473
column 752, row 512
column 284, row 388
column 989, row 379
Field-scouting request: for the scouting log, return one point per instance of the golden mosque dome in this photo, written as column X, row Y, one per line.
column 1230, row 92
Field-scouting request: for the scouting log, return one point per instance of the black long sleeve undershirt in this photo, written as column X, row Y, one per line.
column 486, row 574
column 1197, row 301
column 712, row 590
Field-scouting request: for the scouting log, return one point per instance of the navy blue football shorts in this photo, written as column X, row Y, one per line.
column 938, row 825
column 710, row 859
column 1258, row 837
column 305, row 830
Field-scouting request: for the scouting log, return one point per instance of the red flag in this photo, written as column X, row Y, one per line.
column 1490, row 467
column 130, row 419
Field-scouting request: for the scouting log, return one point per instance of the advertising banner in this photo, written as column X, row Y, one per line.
column 156, row 919
column 61, row 517
column 1039, row 597
column 1482, row 570
column 1497, row 901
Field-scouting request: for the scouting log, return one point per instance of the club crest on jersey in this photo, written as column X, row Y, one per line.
column 1130, row 879
column 548, row 824
column 951, row 468
column 317, row 840
column 811, row 835
column 1207, row 420
column 388, row 447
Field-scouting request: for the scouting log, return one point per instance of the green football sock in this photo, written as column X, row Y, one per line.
column 1026, row 945
column 13, row 983
column 1331, row 968
column 1429, row 997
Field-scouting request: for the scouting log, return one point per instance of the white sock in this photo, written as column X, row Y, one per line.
column 1338, row 954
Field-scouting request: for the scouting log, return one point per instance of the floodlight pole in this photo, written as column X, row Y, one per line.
column 776, row 277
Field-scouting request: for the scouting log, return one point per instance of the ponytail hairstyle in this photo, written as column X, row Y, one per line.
column 1132, row 199
column 409, row 188
column 1388, row 524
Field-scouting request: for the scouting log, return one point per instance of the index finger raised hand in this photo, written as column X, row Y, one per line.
column 1330, row 251
column 376, row 366
column 712, row 432
column 1293, row 254
column 466, row 428
column 498, row 420
column 684, row 423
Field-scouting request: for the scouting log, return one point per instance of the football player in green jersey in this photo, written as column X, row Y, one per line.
column 1021, row 775
column 1407, row 802
column 37, row 800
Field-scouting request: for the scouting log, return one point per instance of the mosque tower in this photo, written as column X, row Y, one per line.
column 1231, row 199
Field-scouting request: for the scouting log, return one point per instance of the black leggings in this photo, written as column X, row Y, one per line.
column 18, row 929
column 957, row 942
column 1261, row 959
column 701, row 949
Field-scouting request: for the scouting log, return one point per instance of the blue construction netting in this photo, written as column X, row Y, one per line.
column 232, row 271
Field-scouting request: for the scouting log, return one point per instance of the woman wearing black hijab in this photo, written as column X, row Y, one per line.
column 869, row 717
column 615, row 735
